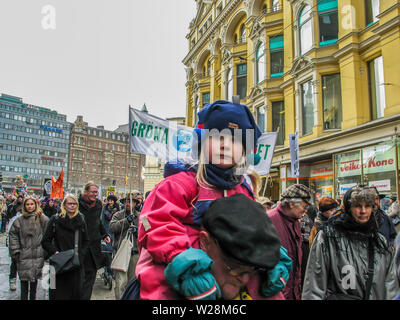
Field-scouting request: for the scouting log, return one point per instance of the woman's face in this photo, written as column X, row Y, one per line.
column 224, row 151
column 30, row 206
column 70, row 205
column 51, row 203
column 361, row 212
column 110, row 202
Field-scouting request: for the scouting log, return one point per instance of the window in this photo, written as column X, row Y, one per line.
column 229, row 81
column 275, row 5
column 260, row 61
column 276, row 49
column 242, row 34
column 331, row 101
column 328, row 22
column 307, row 107
column 209, row 68
column 261, row 118
column 305, row 29
column 376, row 88
column 371, row 11
column 241, row 80
column 206, row 98
column 196, row 110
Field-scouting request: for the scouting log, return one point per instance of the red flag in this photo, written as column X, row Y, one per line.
column 57, row 186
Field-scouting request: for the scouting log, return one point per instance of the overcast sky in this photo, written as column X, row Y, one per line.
column 102, row 56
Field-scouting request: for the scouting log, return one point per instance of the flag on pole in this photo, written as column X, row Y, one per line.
column 57, row 186
column 265, row 148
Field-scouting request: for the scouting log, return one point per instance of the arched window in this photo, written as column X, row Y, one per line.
column 242, row 34
column 260, row 64
column 229, row 81
column 305, row 29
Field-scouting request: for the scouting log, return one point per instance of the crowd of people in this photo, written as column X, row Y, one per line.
column 205, row 233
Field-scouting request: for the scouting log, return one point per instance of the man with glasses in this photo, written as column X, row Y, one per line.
column 238, row 246
column 286, row 217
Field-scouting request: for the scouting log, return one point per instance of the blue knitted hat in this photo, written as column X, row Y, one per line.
column 222, row 115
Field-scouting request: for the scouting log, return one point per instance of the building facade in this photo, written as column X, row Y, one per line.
column 34, row 143
column 325, row 69
column 103, row 157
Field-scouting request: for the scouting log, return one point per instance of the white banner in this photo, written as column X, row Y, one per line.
column 266, row 146
column 159, row 138
column 381, row 185
column 294, row 155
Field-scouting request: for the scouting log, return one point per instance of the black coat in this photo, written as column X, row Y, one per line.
column 60, row 236
column 94, row 259
column 49, row 211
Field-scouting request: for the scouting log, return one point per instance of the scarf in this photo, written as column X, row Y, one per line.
column 221, row 178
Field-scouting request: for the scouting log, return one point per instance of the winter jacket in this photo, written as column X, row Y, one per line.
column 397, row 256
column 289, row 231
column 319, row 221
column 119, row 226
column 106, row 216
column 330, row 268
column 394, row 209
column 96, row 232
column 25, row 245
column 386, row 226
column 49, row 211
column 169, row 224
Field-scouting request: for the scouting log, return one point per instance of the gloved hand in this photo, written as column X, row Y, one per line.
column 130, row 218
column 190, row 274
column 278, row 276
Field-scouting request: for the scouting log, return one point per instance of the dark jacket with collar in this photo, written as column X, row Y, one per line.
column 289, row 231
column 95, row 230
column 119, row 226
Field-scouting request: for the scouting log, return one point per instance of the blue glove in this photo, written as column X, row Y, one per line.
column 190, row 274
column 278, row 276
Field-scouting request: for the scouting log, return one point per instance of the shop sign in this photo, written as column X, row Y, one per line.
column 322, row 169
column 381, row 185
column 373, row 162
column 344, row 187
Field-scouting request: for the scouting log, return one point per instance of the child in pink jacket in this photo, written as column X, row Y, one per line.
column 171, row 217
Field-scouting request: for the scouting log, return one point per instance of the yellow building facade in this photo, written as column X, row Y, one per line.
column 326, row 69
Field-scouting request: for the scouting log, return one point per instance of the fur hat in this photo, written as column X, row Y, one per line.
column 297, row 191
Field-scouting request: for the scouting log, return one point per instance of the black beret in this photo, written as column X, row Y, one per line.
column 243, row 230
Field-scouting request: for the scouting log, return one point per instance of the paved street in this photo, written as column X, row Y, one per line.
column 100, row 291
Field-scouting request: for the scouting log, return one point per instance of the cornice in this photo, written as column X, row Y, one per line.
column 213, row 28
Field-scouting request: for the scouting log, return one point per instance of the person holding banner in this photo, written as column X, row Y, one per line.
column 172, row 214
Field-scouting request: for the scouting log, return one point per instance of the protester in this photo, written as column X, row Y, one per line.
column 385, row 224
column 173, row 211
column 60, row 236
column 49, row 209
column 25, row 246
column 266, row 202
column 15, row 207
column 111, row 207
column 394, row 212
column 236, row 252
column 327, row 206
column 3, row 213
column 286, row 219
column 91, row 208
column 121, row 223
column 306, row 225
column 343, row 247
column 139, row 200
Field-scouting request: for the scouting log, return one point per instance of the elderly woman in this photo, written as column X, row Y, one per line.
column 341, row 252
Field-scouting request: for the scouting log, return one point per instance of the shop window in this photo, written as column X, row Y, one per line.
column 331, row 101
column 348, row 171
column 260, row 63
column 261, row 118
column 241, row 80
column 276, row 52
column 305, row 29
column 278, row 120
column 376, row 81
column 229, row 86
column 328, row 22
column 307, row 107
column 371, row 11
column 379, row 167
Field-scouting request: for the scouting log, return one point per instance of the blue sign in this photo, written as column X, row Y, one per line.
column 51, row 129
column 182, row 140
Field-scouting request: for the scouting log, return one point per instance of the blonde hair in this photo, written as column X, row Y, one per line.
column 63, row 212
column 38, row 211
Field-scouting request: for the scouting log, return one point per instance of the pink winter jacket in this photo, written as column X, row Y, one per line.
column 168, row 225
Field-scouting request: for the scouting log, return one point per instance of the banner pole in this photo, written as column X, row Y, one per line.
column 129, row 160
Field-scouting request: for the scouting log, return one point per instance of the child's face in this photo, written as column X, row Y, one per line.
column 224, row 151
